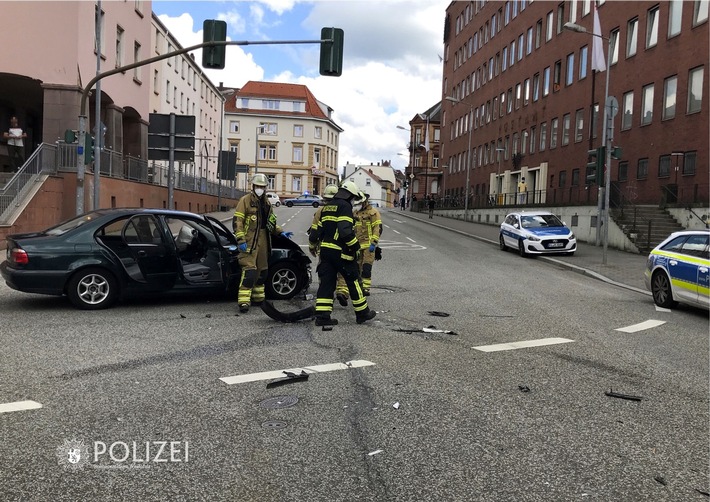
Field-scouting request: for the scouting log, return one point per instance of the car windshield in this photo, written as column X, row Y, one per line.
column 541, row 220
column 65, row 227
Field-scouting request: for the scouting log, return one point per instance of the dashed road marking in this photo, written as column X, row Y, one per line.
column 270, row 375
column 410, row 239
column 396, row 231
column 19, row 406
column 661, row 309
column 651, row 323
column 521, row 345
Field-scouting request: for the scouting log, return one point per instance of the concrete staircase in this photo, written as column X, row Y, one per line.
column 645, row 226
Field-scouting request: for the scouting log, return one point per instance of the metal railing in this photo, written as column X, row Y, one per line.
column 42, row 161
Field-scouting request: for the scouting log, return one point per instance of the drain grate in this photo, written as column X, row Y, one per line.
column 278, row 402
column 274, row 424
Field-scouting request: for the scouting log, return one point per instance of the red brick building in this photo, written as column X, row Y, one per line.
column 522, row 87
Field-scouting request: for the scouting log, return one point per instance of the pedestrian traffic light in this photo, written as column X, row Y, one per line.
column 88, row 149
column 214, row 31
column 331, row 52
column 595, row 166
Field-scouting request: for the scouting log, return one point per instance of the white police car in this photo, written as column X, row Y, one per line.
column 678, row 270
column 536, row 232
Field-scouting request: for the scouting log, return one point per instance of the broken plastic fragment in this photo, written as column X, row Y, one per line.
column 374, row 452
column 396, row 405
column 611, row 393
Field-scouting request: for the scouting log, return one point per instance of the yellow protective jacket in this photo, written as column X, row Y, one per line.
column 368, row 226
column 248, row 220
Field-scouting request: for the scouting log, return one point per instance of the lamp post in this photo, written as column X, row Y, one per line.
column 407, row 192
column 607, row 133
column 468, row 155
column 225, row 94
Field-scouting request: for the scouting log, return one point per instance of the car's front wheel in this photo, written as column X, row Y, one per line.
column 315, row 204
column 92, row 289
column 277, row 204
column 501, row 242
column 521, row 248
column 661, row 290
column 289, row 204
column 282, row 283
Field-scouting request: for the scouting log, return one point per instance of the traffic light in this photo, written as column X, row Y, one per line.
column 214, row 31
column 331, row 53
column 595, row 166
column 70, row 136
column 88, row 149
column 616, row 152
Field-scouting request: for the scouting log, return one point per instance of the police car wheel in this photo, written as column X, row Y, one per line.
column 521, row 248
column 289, row 204
column 501, row 242
column 661, row 290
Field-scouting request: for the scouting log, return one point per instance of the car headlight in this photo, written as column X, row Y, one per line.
column 572, row 237
column 532, row 238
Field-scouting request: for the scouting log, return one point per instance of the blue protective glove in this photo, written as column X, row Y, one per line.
column 242, row 247
column 288, row 235
column 372, row 248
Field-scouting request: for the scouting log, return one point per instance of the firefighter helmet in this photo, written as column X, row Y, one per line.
column 259, row 180
column 330, row 191
column 350, row 186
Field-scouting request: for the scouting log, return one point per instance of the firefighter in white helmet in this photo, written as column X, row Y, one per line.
column 254, row 223
column 339, row 249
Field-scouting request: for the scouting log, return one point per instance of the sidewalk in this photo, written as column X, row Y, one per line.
column 622, row 269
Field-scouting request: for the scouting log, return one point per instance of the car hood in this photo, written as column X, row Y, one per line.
column 549, row 232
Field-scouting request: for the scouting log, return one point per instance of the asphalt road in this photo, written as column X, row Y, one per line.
column 436, row 417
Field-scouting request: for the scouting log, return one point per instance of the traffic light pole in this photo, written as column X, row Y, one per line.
column 80, row 157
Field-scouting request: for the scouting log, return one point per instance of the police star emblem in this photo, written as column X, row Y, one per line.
column 73, row 454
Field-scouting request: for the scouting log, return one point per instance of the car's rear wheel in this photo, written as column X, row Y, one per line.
column 521, row 248
column 92, row 289
column 501, row 242
column 315, row 204
column 282, row 283
column 289, row 204
column 661, row 290
column 277, row 204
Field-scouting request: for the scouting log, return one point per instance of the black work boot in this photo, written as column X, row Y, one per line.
column 342, row 299
column 243, row 308
column 365, row 316
column 325, row 320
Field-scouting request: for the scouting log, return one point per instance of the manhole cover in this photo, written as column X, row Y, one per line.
column 274, row 403
column 273, row 424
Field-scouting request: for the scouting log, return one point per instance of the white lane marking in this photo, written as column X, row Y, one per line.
column 661, row 309
column 410, row 239
column 651, row 323
column 522, row 345
column 398, row 221
column 19, row 406
column 270, row 375
column 395, row 231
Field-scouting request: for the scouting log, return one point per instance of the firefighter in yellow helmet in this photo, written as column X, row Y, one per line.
column 254, row 223
column 368, row 228
column 339, row 249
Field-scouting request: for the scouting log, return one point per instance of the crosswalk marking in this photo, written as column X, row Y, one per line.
column 521, row 345
column 19, row 406
column 270, row 375
column 651, row 323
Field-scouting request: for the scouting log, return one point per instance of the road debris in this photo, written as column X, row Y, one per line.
column 374, row 452
column 396, row 405
column 661, row 480
column 327, row 328
column 436, row 313
column 701, row 492
column 611, row 393
column 524, row 388
column 290, row 378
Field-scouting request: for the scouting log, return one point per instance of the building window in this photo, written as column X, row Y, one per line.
column 510, row 100
column 595, row 119
column 526, row 92
column 689, row 162
column 316, row 157
column 553, row 133
column 270, row 181
column 512, row 53
column 565, row 128
column 560, row 17
column 298, row 153
column 270, row 104
column 575, row 177
column 502, row 104
column 557, row 76
column 695, row 90
column 101, row 18
column 549, row 27
column 234, row 126
column 543, row 136
column 647, row 105
column 296, row 184
column 536, row 87
column 136, row 58
column 529, row 41
column 614, row 41
column 669, row 97
column 652, row 28
column 563, row 179
column 569, row 77
column 628, row 107
column 664, row 166
column 518, row 93
column 298, row 131
column 632, row 37
column 504, row 59
column 586, row 7
column 156, row 81
column 234, row 147
column 579, row 126
column 700, row 12
column 642, row 169
column 538, row 34
column 167, row 91
column 546, row 82
column 583, row 54
column 532, row 140
column 318, row 133
column 521, row 47
column 623, row 171
column 675, row 15
column 119, row 46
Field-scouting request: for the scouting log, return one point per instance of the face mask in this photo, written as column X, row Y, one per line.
column 259, row 192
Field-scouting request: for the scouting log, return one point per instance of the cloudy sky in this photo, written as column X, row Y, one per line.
column 391, row 69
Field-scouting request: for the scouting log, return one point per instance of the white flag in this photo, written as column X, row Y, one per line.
column 598, row 62
column 426, row 136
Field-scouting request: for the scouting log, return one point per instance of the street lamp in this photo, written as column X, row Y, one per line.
column 606, row 137
column 220, row 168
column 407, row 192
column 468, row 155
